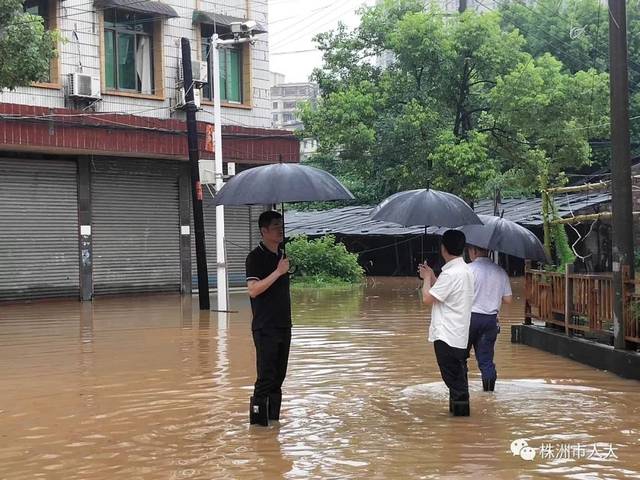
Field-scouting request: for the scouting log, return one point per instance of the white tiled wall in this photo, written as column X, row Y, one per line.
column 81, row 16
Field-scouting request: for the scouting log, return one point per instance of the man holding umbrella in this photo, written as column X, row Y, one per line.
column 492, row 288
column 268, row 285
column 451, row 297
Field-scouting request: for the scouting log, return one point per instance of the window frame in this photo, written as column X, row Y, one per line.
column 245, row 83
column 119, row 30
column 50, row 24
column 157, row 61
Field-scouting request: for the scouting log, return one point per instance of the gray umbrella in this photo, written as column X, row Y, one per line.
column 281, row 183
column 504, row 236
column 425, row 207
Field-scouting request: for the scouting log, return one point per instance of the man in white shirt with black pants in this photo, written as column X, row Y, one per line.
column 451, row 297
column 492, row 289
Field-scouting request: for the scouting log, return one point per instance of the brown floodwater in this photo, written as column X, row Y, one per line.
column 148, row 387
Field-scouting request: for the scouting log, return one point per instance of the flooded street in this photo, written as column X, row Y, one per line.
column 149, row 387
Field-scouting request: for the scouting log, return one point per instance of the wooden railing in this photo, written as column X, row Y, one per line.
column 580, row 303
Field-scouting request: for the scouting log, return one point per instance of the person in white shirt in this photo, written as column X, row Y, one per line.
column 492, row 289
column 451, row 297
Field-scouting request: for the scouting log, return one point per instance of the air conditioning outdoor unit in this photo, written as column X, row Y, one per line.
column 82, row 85
column 199, row 72
column 181, row 100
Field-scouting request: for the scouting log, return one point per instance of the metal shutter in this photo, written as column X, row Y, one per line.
column 242, row 233
column 38, row 229
column 136, row 228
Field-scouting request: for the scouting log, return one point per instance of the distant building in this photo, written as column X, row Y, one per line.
column 285, row 101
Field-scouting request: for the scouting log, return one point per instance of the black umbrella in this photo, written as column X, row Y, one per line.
column 504, row 236
column 280, row 183
column 425, row 207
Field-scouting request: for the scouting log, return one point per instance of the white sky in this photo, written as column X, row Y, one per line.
column 292, row 25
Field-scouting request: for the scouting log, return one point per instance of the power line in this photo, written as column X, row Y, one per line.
column 292, row 52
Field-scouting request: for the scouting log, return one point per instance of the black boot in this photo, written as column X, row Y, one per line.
column 461, row 409
column 259, row 411
column 275, row 400
column 489, row 385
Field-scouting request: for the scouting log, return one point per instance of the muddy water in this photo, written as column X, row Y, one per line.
column 150, row 388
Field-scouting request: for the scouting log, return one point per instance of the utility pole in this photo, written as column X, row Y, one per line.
column 621, row 202
column 196, row 186
column 462, row 6
column 221, row 253
column 242, row 33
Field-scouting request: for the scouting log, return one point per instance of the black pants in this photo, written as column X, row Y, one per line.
column 453, row 368
column 272, row 357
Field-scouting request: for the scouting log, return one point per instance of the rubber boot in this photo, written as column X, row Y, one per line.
column 489, row 385
column 461, row 409
column 259, row 411
column 275, row 400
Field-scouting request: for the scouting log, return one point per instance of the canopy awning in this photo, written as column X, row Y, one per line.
column 144, row 6
column 212, row 18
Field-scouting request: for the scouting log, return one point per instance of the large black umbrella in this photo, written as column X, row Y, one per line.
column 504, row 236
column 425, row 207
column 281, row 183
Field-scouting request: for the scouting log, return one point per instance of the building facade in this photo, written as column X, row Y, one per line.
column 285, row 101
column 95, row 191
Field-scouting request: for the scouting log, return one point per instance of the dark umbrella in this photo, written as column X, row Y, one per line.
column 504, row 236
column 280, row 183
column 425, row 207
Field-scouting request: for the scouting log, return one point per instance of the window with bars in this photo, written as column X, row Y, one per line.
column 128, row 49
column 231, row 74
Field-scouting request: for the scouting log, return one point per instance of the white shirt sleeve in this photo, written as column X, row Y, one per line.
column 441, row 289
column 507, row 286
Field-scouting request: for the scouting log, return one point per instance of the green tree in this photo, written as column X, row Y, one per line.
column 577, row 33
column 542, row 117
column 26, row 48
column 404, row 126
column 461, row 106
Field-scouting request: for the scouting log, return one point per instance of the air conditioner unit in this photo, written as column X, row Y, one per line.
column 181, row 100
column 199, row 72
column 82, row 85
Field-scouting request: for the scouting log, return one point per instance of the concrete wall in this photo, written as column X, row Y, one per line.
column 82, row 51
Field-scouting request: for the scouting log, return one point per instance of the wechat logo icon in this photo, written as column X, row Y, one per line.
column 521, row 447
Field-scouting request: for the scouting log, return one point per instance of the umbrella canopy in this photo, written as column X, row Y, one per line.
column 281, row 183
column 504, row 236
column 425, row 207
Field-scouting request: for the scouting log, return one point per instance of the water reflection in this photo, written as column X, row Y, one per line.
column 150, row 387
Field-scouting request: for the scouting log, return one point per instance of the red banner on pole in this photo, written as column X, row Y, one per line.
column 209, row 140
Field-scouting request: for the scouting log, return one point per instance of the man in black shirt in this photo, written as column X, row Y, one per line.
column 268, row 284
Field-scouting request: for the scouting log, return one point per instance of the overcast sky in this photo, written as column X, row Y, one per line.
column 292, row 25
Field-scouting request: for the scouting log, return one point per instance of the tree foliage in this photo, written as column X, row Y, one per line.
column 466, row 103
column 26, row 48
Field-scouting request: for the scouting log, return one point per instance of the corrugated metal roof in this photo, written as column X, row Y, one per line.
column 355, row 220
